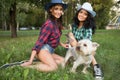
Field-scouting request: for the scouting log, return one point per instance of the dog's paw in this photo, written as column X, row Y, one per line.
column 63, row 65
column 73, row 71
column 85, row 72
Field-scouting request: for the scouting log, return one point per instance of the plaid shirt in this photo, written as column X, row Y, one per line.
column 81, row 33
column 49, row 34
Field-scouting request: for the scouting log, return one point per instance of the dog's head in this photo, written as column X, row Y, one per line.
column 86, row 47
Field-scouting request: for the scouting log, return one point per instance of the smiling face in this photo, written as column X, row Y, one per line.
column 57, row 11
column 82, row 15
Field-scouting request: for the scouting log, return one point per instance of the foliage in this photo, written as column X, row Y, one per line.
column 32, row 13
column 102, row 9
column 35, row 7
column 18, row 49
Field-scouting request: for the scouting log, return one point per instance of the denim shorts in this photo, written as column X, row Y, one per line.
column 48, row 47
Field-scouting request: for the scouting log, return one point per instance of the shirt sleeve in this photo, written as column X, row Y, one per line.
column 43, row 36
column 88, row 34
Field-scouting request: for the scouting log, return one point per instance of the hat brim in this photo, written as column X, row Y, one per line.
column 93, row 13
column 47, row 6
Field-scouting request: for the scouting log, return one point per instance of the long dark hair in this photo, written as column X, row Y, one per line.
column 89, row 22
column 53, row 19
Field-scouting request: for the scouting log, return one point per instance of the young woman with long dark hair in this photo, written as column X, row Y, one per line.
column 83, row 28
column 49, row 39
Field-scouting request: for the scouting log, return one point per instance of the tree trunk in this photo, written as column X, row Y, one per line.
column 17, row 26
column 4, row 25
column 13, row 25
column 45, row 15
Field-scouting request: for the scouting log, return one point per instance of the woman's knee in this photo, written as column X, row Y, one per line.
column 54, row 67
column 47, row 58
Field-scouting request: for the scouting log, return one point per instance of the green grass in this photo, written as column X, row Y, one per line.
column 17, row 49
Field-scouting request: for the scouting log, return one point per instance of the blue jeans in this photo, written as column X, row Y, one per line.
column 48, row 47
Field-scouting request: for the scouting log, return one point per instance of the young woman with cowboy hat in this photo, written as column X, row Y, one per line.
column 49, row 38
column 83, row 28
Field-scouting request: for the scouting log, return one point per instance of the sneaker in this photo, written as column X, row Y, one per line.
column 11, row 64
column 98, row 72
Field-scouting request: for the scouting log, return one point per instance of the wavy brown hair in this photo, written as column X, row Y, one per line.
column 89, row 22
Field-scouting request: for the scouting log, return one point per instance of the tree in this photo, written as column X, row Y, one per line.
column 102, row 9
column 36, row 8
column 12, row 10
column 29, row 14
column 13, row 24
column 3, row 14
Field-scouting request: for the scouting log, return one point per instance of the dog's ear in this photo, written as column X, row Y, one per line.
column 94, row 47
column 95, row 44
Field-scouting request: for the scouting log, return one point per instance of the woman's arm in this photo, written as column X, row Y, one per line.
column 33, row 54
column 64, row 45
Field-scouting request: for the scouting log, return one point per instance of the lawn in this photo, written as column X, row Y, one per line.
column 18, row 49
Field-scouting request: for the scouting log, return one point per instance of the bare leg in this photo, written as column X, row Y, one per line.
column 33, row 54
column 47, row 62
column 97, row 72
column 94, row 61
column 58, row 59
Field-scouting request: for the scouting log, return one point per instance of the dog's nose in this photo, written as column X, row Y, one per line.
column 78, row 47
